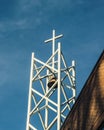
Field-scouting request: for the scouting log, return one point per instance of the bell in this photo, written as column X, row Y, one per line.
column 52, row 80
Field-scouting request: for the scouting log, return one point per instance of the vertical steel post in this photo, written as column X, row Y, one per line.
column 30, row 92
column 46, row 108
column 59, row 88
column 53, row 48
column 74, row 80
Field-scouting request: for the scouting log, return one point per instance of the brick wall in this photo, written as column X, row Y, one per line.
column 88, row 111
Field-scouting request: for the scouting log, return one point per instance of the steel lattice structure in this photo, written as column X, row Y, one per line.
column 49, row 106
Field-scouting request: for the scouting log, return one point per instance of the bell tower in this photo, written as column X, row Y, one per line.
column 52, row 89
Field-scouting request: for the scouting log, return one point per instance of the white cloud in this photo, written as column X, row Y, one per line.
column 26, row 5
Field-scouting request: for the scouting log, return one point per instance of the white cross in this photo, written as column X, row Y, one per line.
column 53, row 40
column 53, row 43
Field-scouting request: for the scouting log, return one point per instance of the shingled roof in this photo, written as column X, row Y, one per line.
column 88, row 110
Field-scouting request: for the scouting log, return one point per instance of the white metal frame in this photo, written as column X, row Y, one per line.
column 48, row 107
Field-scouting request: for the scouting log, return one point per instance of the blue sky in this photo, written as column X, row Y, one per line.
column 24, row 25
